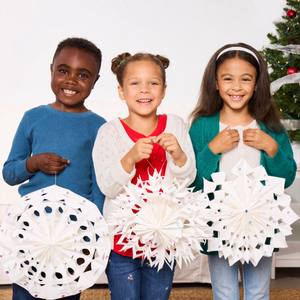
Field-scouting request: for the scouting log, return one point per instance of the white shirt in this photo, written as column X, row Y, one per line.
column 232, row 156
column 112, row 143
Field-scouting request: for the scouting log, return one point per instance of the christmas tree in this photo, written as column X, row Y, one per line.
column 283, row 58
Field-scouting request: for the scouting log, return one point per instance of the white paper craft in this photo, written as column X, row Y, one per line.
column 168, row 224
column 54, row 243
column 246, row 212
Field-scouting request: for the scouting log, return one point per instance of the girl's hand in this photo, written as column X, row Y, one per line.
column 224, row 140
column 141, row 150
column 260, row 140
column 48, row 163
column 169, row 142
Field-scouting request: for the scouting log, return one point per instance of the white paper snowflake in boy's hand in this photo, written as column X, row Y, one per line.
column 169, row 220
column 54, row 243
column 248, row 212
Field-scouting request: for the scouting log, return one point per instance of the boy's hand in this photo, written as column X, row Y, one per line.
column 141, row 150
column 48, row 163
column 224, row 140
column 260, row 140
column 169, row 142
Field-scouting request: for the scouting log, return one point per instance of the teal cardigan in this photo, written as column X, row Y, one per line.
column 205, row 129
column 203, row 132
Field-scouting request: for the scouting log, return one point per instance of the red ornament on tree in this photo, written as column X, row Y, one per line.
column 291, row 13
column 292, row 70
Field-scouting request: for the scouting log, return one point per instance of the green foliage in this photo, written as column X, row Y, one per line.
column 287, row 98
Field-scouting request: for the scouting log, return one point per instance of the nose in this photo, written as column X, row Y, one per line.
column 236, row 85
column 144, row 89
column 71, row 79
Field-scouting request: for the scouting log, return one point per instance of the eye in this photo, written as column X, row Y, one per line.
column 246, row 79
column 82, row 76
column 133, row 83
column 227, row 79
column 63, row 71
column 153, row 83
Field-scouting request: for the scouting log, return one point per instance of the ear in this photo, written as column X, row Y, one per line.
column 98, row 76
column 121, row 93
column 217, row 86
column 255, row 87
column 51, row 69
column 164, row 91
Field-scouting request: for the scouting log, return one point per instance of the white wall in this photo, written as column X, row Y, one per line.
column 187, row 32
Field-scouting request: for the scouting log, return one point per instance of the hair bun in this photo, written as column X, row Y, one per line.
column 165, row 61
column 116, row 62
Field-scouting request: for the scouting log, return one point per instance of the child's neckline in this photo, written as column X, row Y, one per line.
column 241, row 126
column 66, row 112
column 161, row 122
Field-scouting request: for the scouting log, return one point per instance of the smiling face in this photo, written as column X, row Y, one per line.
column 236, row 82
column 74, row 73
column 142, row 88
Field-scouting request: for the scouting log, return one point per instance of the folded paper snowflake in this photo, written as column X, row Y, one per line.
column 250, row 215
column 54, row 243
column 160, row 220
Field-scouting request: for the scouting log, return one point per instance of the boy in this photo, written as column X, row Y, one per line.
column 57, row 139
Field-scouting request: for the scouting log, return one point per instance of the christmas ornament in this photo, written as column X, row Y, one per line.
column 292, row 70
column 54, row 243
column 294, row 40
column 293, row 49
column 291, row 13
column 250, row 210
column 168, row 224
column 288, row 79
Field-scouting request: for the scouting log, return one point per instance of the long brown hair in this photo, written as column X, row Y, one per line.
column 261, row 106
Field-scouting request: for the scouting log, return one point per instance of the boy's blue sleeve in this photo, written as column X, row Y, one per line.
column 14, row 169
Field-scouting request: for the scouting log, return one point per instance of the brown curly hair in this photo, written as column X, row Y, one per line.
column 119, row 64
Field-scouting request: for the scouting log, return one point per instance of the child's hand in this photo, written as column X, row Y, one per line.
column 141, row 150
column 169, row 142
column 260, row 140
column 48, row 163
column 224, row 140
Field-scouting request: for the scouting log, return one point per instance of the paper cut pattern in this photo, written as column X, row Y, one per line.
column 161, row 220
column 251, row 214
column 54, row 243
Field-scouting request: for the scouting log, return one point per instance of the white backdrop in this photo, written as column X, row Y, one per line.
column 187, row 32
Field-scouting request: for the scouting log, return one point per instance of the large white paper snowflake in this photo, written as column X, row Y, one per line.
column 54, row 243
column 251, row 215
column 160, row 220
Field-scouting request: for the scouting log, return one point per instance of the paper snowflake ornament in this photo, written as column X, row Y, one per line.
column 161, row 220
column 251, row 214
column 54, row 243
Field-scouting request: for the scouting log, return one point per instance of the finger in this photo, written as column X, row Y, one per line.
column 147, row 140
column 57, row 158
column 164, row 136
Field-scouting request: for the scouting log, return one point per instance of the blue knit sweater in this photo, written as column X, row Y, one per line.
column 205, row 129
column 70, row 135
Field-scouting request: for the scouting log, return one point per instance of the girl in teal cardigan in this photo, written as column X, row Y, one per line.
column 236, row 117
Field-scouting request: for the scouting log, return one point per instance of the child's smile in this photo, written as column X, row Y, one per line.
column 236, row 82
column 74, row 73
column 142, row 88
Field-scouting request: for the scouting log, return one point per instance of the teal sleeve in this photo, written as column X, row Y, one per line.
column 282, row 164
column 206, row 160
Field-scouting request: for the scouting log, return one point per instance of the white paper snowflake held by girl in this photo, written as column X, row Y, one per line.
column 160, row 220
column 54, row 243
column 251, row 215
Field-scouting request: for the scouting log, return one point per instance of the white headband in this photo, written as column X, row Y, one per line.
column 238, row 48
